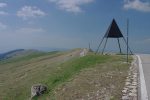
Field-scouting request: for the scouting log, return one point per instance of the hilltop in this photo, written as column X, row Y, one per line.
column 67, row 75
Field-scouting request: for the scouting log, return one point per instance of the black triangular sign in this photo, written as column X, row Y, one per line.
column 113, row 31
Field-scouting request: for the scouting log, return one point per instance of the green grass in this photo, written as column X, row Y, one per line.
column 71, row 68
column 53, row 69
column 106, row 75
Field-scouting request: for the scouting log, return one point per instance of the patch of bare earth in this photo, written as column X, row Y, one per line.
column 101, row 82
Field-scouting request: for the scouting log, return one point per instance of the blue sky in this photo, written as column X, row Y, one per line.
column 44, row 24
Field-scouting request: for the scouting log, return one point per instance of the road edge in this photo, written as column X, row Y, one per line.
column 143, row 90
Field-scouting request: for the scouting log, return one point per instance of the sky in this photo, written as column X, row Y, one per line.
column 68, row 24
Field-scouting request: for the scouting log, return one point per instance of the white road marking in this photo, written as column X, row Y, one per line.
column 144, row 95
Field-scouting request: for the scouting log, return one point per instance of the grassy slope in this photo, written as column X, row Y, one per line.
column 59, row 71
column 26, row 57
column 101, row 78
column 68, row 71
column 18, row 75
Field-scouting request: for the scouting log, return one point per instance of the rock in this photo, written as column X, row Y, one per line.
column 134, row 83
column 38, row 89
column 134, row 91
column 125, row 98
column 129, row 91
column 127, row 80
column 124, row 91
column 84, row 52
column 132, row 87
column 132, row 94
column 127, row 83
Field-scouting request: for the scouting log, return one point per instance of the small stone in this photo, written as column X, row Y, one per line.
column 132, row 87
column 37, row 90
column 134, row 84
column 129, row 74
column 97, row 94
column 125, row 98
column 88, row 95
column 134, row 76
column 128, row 80
column 127, row 83
column 125, row 88
column 134, row 91
column 124, row 91
column 132, row 94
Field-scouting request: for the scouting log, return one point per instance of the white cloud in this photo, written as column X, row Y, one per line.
column 3, row 13
column 30, row 12
column 71, row 5
column 137, row 5
column 2, row 4
column 2, row 26
column 27, row 30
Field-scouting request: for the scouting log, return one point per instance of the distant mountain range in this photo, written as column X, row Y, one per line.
column 17, row 53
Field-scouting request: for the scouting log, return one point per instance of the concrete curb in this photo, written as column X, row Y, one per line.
column 143, row 89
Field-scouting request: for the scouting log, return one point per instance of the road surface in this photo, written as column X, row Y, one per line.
column 145, row 61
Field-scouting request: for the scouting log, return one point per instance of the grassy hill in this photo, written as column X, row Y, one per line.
column 18, row 53
column 67, row 76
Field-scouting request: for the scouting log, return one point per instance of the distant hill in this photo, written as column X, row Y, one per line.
column 17, row 53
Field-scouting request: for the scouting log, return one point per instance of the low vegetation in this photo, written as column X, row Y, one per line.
column 67, row 76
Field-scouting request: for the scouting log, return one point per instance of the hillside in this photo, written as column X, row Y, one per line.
column 67, row 75
column 10, row 54
column 18, row 53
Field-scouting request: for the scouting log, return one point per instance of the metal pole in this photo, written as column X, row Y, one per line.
column 128, row 46
column 99, row 45
column 127, row 39
column 119, row 45
column 105, row 45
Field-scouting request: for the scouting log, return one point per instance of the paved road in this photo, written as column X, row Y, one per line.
column 145, row 58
